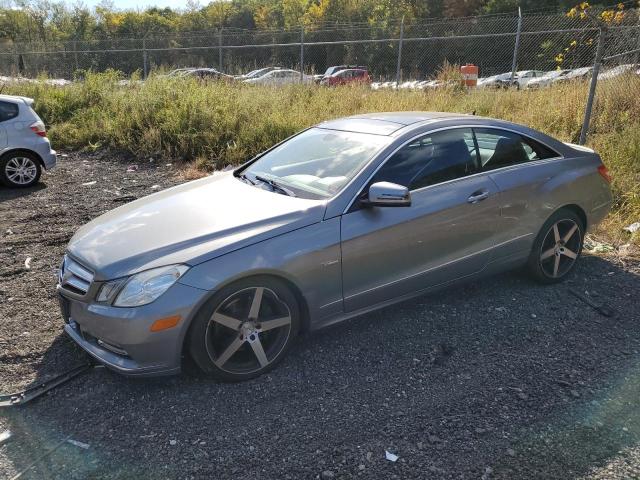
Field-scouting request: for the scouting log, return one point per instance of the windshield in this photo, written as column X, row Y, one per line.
column 318, row 162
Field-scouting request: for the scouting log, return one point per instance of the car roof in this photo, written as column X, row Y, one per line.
column 385, row 123
column 350, row 70
column 12, row 98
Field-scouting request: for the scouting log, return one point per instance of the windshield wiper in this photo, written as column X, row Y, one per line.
column 275, row 186
column 243, row 176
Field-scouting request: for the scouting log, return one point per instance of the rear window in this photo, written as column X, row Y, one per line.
column 8, row 111
column 501, row 148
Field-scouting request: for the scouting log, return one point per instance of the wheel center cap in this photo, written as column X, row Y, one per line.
column 249, row 331
column 559, row 248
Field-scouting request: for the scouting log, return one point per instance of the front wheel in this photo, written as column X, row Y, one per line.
column 19, row 170
column 557, row 247
column 245, row 329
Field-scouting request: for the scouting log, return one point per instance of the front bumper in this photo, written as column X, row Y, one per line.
column 120, row 338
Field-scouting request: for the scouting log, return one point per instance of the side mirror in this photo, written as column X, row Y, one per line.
column 387, row 194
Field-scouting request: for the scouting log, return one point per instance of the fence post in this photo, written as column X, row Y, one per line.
column 302, row 54
column 20, row 63
column 75, row 53
column 592, row 86
column 220, row 49
column 398, row 69
column 514, row 63
column 18, row 58
column 145, row 58
column 636, row 58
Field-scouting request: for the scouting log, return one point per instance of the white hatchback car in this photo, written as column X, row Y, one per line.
column 24, row 147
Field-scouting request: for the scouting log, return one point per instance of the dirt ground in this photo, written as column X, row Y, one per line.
column 501, row 378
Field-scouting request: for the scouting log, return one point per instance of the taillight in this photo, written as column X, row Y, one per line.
column 604, row 173
column 38, row 129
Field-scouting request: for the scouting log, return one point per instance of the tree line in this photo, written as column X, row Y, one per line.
column 49, row 21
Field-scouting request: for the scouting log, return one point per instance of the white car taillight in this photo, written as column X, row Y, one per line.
column 38, row 129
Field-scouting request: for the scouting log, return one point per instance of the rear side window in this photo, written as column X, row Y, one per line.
column 8, row 111
column 501, row 148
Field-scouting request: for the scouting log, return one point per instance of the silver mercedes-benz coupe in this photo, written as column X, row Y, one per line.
column 342, row 218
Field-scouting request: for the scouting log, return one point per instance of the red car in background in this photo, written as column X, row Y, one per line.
column 347, row 76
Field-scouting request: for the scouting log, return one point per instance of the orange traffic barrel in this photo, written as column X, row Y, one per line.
column 469, row 74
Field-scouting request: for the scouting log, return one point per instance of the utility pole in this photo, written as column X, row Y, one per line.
column 514, row 63
column 398, row 68
column 220, row 49
column 302, row 54
column 75, row 53
column 636, row 57
column 145, row 58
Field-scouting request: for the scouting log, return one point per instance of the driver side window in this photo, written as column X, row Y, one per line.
column 435, row 158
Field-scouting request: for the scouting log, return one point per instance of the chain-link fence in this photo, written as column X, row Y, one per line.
column 394, row 51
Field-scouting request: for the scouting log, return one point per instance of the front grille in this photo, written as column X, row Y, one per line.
column 74, row 277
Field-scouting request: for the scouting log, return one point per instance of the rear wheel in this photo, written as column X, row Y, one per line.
column 557, row 247
column 245, row 330
column 19, row 169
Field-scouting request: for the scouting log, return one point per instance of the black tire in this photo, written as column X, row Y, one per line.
column 11, row 160
column 209, row 340
column 549, row 256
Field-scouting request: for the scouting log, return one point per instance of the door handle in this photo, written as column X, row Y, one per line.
column 478, row 196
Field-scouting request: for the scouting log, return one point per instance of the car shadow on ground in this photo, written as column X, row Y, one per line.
column 11, row 193
column 501, row 377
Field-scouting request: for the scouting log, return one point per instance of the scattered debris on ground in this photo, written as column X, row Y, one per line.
column 633, row 228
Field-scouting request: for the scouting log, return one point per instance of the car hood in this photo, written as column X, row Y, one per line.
column 190, row 224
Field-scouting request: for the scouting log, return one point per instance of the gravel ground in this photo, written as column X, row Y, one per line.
column 501, row 378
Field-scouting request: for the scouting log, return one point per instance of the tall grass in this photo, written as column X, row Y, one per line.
column 228, row 123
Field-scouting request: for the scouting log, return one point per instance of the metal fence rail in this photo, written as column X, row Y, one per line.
column 396, row 50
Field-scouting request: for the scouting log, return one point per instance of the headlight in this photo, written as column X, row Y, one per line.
column 141, row 288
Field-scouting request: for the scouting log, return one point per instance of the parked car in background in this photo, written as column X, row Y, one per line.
column 494, row 81
column 25, row 149
column 279, row 77
column 547, row 79
column 523, row 77
column 383, row 85
column 347, row 76
column 346, row 217
column 257, row 73
column 334, row 69
column 206, row 74
column 178, row 72
column 617, row 71
column 408, row 85
column 574, row 74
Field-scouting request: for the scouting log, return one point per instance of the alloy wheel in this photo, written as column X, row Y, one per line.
column 21, row 170
column 560, row 248
column 248, row 330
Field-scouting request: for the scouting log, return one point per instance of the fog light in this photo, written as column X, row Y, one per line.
column 112, row 348
column 165, row 323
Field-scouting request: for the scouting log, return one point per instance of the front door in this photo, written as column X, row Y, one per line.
column 446, row 233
